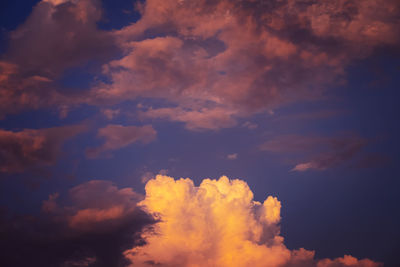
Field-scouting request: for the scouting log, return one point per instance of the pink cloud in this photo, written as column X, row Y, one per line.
column 99, row 203
column 118, row 136
column 56, row 36
column 236, row 57
column 242, row 58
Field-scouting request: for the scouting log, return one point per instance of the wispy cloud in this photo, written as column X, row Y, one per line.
column 118, row 136
column 318, row 152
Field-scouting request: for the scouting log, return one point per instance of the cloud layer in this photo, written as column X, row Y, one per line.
column 211, row 62
column 216, row 61
column 217, row 224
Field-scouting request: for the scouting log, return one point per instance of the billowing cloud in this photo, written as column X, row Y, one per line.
column 59, row 34
column 317, row 152
column 31, row 148
column 92, row 226
column 94, row 205
column 210, row 62
column 216, row 61
column 117, row 136
column 217, row 224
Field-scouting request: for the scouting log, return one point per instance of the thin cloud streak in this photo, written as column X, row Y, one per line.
column 118, row 136
column 320, row 152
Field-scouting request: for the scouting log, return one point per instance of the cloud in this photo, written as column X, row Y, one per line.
column 217, row 224
column 232, row 156
column 291, row 143
column 118, row 136
column 81, row 230
column 145, row 177
column 56, row 36
column 321, row 152
column 59, row 34
column 111, row 113
column 212, row 61
column 250, row 125
column 175, row 224
column 196, row 120
column 347, row 260
column 31, row 148
column 96, row 206
column 216, row 61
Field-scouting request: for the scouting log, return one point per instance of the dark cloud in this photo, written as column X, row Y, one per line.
column 319, row 152
column 97, row 224
column 59, row 36
column 29, row 148
column 56, row 36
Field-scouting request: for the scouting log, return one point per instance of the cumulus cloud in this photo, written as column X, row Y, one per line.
column 217, row 224
column 31, row 148
column 118, row 136
column 92, row 226
column 175, row 224
column 321, row 152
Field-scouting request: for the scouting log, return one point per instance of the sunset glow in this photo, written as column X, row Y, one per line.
column 121, row 121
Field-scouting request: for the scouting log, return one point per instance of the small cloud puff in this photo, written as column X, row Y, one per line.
column 232, row 156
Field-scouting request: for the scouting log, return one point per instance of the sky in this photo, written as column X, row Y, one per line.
column 199, row 133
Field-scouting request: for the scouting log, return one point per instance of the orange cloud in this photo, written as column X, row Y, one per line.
column 217, row 224
column 95, row 206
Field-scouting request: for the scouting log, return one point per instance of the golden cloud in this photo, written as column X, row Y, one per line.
column 217, row 224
